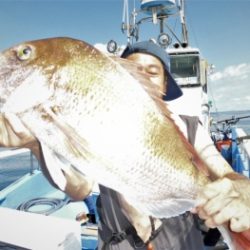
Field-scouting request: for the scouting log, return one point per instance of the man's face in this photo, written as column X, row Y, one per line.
column 153, row 67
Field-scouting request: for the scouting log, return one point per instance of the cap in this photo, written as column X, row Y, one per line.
column 149, row 47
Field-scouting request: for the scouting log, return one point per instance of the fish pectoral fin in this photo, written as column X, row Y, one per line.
column 78, row 152
column 73, row 141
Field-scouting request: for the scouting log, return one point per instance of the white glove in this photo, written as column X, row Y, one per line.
column 226, row 200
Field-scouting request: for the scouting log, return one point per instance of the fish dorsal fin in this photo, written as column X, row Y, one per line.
column 135, row 70
column 141, row 76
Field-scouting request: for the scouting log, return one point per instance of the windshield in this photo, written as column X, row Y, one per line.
column 184, row 66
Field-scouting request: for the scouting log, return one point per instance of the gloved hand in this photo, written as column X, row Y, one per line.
column 13, row 133
column 226, row 200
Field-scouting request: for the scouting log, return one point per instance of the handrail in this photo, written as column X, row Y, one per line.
column 13, row 152
column 17, row 151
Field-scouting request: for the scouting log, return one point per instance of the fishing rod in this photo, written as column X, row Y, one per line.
column 233, row 120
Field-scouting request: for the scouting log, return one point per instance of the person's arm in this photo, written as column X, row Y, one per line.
column 14, row 134
column 217, row 165
column 228, row 198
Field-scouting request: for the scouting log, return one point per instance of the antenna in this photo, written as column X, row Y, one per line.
column 183, row 24
column 125, row 19
column 157, row 12
column 129, row 22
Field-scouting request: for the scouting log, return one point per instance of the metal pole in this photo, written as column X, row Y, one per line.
column 183, row 22
column 31, row 163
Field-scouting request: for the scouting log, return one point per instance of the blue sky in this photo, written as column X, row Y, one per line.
column 220, row 28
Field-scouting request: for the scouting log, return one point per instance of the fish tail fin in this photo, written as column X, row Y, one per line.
column 234, row 240
column 241, row 240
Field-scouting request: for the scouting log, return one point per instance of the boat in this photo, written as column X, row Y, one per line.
column 233, row 143
column 54, row 222
column 39, row 216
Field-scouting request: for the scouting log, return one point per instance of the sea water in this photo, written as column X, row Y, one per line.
column 13, row 167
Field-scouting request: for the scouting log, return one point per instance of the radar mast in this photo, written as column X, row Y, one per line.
column 186, row 64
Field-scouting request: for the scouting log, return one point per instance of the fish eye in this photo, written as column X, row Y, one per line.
column 24, row 52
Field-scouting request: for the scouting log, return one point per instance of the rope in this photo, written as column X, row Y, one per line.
column 54, row 205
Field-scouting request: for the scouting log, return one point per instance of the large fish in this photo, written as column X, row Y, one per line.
column 91, row 112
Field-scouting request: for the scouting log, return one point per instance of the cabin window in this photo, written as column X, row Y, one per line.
column 184, row 66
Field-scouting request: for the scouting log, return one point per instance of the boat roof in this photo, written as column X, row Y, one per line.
column 181, row 50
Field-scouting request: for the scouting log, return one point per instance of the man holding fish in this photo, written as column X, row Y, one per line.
column 178, row 232
column 224, row 200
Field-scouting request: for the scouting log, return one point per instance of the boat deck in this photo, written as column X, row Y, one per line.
column 33, row 193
